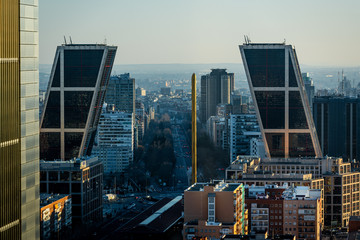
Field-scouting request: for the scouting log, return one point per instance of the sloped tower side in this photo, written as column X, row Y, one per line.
column 280, row 100
column 74, row 100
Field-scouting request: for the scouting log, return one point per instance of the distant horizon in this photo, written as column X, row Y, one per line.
column 204, row 31
column 305, row 65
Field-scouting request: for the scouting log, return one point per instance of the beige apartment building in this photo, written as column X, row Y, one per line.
column 341, row 191
column 339, row 184
column 303, row 217
column 211, row 210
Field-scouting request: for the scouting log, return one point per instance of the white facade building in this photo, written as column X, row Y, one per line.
column 257, row 148
column 116, row 140
column 243, row 127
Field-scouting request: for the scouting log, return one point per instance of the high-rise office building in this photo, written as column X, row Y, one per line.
column 82, row 178
column 115, row 140
column 216, row 88
column 74, row 100
column 337, row 122
column 280, row 101
column 19, row 121
column 121, row 93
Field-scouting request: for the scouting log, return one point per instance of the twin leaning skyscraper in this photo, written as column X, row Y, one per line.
column 280, row 100
column 73, row 104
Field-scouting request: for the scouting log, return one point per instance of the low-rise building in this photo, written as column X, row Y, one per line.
column 211, row 210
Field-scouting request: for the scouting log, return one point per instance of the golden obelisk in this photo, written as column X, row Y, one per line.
column 193, row 132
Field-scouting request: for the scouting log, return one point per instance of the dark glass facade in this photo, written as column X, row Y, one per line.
column 76, row 108
column 266, row 67
column 81, row 67
column 52, row 113
column 271, row 106
column 71, row 111
column 72, row 144
column 50, row 146
column 56, row 79
column 276, row 144
column 10, row 152
column 292, row 77
column 300, row 145
column 297, row 118
column 337, row 124
column 278, row 91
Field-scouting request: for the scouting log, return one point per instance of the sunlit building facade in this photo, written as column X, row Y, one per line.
column 19, row 121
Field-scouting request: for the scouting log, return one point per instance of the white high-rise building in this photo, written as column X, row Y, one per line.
column 243, row 127
column 115, row 140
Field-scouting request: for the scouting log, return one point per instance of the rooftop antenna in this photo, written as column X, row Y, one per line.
column 284, row 41
column 247, row 40
column 65, row 40
column 105, row 41
column 70, row 40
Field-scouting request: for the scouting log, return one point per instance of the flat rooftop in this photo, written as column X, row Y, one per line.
column 219, row 187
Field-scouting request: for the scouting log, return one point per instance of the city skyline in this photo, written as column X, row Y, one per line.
column 198, row 32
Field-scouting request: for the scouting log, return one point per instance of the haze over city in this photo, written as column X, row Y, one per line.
column 325, row 33
column 180, row 120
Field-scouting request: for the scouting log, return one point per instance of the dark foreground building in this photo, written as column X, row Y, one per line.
column 80, row 178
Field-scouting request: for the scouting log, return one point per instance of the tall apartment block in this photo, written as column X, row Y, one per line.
column 216, row 88
column 115, row 140
column 337, row 122
column 280, row 100
column 243, row 128
column 211, row 210
column 74, row 100
column 121, row 93
column 19, row 120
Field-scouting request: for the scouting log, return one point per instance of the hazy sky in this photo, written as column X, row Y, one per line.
column 324, row 32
